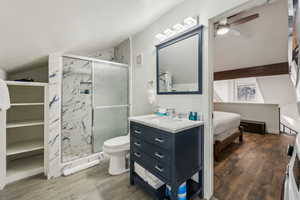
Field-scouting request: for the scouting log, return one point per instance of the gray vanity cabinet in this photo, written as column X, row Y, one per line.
column 172, row 157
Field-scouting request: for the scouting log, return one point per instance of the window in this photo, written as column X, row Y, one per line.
column 246, row 92
column 238, row 90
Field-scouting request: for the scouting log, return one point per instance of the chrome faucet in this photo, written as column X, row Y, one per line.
column 171, row 112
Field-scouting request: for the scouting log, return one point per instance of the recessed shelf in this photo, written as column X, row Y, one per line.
column 24, row 167
column 27, row 104
column 23, row 147
column 24, row 124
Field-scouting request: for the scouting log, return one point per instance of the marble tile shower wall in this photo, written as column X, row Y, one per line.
column 54, row 139
column 76, row 130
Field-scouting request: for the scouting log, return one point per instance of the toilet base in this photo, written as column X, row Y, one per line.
column 118, row 164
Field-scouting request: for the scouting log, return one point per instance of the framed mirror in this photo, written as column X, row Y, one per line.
column 179, row 64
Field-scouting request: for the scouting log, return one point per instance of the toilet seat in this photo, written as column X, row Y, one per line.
column 117, row 144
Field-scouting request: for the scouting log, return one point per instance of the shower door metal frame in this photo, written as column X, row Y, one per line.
column 94, row 107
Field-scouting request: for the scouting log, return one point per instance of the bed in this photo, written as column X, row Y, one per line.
column 226, row 129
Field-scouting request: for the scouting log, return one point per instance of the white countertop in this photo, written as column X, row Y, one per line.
column 165, row 123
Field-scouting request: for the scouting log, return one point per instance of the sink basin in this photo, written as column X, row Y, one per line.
column 159, row 119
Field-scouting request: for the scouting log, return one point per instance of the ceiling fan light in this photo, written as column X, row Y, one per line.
column 222, row 30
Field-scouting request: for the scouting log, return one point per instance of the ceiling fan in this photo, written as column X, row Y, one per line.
column 227, row 25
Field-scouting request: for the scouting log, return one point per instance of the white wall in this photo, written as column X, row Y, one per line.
column 122, row 52
column 2, row 74
column 227, row 89
column 103, row 54
column 39, row 74
column 144, row 43
column 268, row 113
column 272, row 90
column 263, row 41
column 277, row 89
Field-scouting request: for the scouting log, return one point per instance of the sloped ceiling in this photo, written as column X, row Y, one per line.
column 263, row 41
column 32, row 29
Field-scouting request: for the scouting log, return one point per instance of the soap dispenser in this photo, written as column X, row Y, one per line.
column 191, row 116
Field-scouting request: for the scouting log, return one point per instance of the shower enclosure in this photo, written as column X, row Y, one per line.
column 94, row 105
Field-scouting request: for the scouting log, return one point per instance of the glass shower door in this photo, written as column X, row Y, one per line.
column 110, row 103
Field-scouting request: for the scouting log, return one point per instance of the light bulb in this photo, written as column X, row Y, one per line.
column 223, row 29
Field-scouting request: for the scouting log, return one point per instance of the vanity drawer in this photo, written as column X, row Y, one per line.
column 154, row 151
column 138, row 143
column 160, row 139
column 154, row 166
column 139, row 156
column 151, row 135
column 158, row 153
column 137, row 131
column 159, row 168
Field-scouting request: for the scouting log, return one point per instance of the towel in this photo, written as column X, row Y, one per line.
column 4, row 96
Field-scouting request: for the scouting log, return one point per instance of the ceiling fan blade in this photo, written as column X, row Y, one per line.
column 245, row 19
column 237, row 14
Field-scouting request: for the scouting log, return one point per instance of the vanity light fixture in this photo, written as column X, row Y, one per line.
column 161, row 36
column 187, row 23
column 190, row 22
column 169, row 33
column 178, row 28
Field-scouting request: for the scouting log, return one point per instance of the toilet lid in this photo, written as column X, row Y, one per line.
column 117, row 141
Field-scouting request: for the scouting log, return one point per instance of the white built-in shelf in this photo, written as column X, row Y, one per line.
column 23, row 147
column 27, row 104
column 20, row 83
column 24, row 167
column 24, row 124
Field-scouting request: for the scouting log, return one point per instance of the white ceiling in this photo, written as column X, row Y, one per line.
column 32, row 29
column 263, row 41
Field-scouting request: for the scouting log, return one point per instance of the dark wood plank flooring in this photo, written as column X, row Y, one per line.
column 253, row 170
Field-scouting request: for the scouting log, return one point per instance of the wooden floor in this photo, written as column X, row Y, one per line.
column 251, row 171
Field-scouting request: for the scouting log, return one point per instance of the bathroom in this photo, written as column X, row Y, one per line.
column 87, row 85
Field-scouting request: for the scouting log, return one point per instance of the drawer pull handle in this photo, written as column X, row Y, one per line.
column 137, row 144
column 137, row 132
column 159, row 169
column 137, row 155
column 159, row 155
column 159, row 140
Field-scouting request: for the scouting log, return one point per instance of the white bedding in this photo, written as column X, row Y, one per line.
column 225, row 122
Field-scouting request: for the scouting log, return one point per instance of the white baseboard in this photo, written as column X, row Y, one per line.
column 2, row 186
column 81, row 164
column 73, row 170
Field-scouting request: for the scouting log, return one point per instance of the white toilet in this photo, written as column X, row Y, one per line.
column 117, row 149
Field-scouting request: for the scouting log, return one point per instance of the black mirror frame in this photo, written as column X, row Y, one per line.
column 195, row 31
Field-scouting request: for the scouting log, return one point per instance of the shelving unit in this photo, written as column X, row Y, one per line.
column 23, row 124
column 27, row 104
column 23, row 168
column 25, row 131
column 23, row 147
